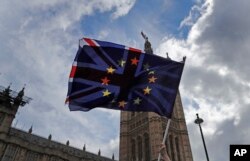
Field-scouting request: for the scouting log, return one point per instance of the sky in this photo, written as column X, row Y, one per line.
column 39, row 40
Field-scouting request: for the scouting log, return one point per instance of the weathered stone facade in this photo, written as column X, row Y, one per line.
column 141, row 134
column 18, row 145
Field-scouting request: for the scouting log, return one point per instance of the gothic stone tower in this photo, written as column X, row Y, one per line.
column 9, row 104
column 141, row 134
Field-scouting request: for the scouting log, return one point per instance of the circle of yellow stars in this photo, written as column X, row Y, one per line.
column 146, row 90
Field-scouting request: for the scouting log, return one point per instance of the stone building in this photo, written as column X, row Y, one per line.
column 18, row 145
column 141, row 135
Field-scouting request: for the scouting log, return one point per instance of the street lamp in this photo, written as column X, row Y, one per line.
column 199, row 121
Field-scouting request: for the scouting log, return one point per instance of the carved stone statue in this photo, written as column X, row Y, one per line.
column 147, row 46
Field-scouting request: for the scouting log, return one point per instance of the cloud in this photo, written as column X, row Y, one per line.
column 40, row 41
column 200, row 8
column 123, row 7
column 215, row 74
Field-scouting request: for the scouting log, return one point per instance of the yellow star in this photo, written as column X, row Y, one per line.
column 122, row 104
column 137, row 101
column 110, row 70
column 147, row 90
column 106, row 93
column 152, row 79
column 122, row 62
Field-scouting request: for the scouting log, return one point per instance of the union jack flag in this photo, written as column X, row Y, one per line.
column 117, row 77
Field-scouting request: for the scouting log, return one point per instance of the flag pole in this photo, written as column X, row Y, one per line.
column 169, row 120
column 164, row 137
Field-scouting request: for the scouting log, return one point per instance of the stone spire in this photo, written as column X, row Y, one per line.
column 99, row 152
column 19, row 99
column 6, row 92
column 50, row 137
column 67, row 143
column 6, row 95
column 30, row 130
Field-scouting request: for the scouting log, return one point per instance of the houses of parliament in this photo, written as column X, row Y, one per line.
column 141, row 134
column 19, row 145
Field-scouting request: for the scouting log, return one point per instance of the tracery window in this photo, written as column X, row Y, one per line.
column 147, row 147
column 133, row 150
column 172, row 147
column 9, row 153
column 32, row 156
column 53, row 158
column 1, row 118
column 177, row 149
column 139, row 141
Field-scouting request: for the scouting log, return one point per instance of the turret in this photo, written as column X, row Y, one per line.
column 50, row 137
column 5, row 96
column 99, row 152
column 67, row 143
column 84, row 148
column 19, row 99
column 30, row 130
column 9, row 104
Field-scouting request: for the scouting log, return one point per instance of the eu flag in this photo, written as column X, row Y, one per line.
column 117, row 77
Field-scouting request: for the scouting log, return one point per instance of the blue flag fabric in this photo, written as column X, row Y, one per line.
column 117, row 77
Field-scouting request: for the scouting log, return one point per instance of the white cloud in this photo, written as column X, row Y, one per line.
column 123, row 7
column 40, row 41
column 215, row 74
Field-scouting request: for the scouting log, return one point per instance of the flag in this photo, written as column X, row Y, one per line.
column 117, row 77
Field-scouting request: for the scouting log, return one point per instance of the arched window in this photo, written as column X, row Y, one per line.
column 172, row 147
column 147, row 148
column 32, row 156
column 9, row 153
column 133, row 150
column 177, row 149
column 139, row 141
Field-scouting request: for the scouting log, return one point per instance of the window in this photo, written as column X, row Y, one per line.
column 9, row 153
column 32, row 156
column 1, row 118
column 133, row 150
column 147, row 147
column 52, row 158
column 172, row 147
column 177, row 148
column 139, row 140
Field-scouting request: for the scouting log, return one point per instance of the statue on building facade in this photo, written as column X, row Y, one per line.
column 147, row 45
